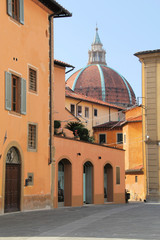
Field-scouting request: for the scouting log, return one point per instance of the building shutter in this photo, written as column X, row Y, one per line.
column 23, row 96
column 8, row 91
column 21, row 11
column 9, row 7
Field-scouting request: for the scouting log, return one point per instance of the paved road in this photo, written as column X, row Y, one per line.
column 109, row 221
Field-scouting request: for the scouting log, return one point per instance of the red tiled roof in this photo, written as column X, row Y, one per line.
column 70, row 93
column 115, row 124
column 138, row 168
column 58, row 62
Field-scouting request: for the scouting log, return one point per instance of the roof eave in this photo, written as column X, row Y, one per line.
column 56, row 8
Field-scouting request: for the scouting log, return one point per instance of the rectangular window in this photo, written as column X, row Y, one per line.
column 86, row 112
column 95, row 113
column 124, row 138
column 136, row 179
column 119, row 138
column 16, row 100
column 32, row 80
column 15, row 9
column 117, row 175
column 32, row 137
column 79, row 113
column 102, row 138
column 15, row 93
column 72, row 107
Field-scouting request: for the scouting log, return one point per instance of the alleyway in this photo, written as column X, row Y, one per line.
column 128, row 221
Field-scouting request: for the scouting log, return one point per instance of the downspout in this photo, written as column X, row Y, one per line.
column 50, row 18
column 51, row 80
column 51, row 106
column 51, row 152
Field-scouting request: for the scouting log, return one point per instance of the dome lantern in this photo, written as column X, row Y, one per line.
column 97, row 55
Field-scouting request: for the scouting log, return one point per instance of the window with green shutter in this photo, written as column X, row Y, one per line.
column 15, row 93
column 15, row 9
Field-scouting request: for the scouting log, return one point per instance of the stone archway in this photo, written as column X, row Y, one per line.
column 12, row 181
column 108, row 183
column 88, row 183
column 64, row 183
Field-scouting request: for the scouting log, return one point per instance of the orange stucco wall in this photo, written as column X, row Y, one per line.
column 134, row 154
column 25, row 42
column 111, row 137
column 133, row 145
column 89, row 152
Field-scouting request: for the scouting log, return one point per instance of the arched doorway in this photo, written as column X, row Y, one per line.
column 88, row 183
column 64, row 183
column 108, row 183
column 12, row 181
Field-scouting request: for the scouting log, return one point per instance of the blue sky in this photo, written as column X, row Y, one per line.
column 125, row 27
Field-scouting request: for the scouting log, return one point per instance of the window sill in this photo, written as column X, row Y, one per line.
column 15, row 114
column 15, row 21
column 31, row 150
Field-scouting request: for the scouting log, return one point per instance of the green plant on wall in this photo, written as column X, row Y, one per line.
column 80, row 131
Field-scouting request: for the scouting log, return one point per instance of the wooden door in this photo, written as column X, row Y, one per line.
column 12, row 187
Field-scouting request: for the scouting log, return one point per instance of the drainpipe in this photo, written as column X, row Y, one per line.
column 50, row 18
column 51, row 106
column 70, row 70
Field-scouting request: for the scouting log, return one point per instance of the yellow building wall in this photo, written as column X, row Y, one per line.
column 102, row 117
column 136, row 189
column 24, row 43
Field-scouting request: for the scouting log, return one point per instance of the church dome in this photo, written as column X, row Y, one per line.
column 99, row 81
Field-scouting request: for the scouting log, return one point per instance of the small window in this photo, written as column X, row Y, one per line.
column 119, row 138
column 15, row 9
column 32, row 80
column 86, row 112
column 79, row 113
column 136, row 179
column 124, row 138
column 15, row 93
column 102, row 138
column 72, row 107
column 95, row 113
column 32, row 137
column 117, row 175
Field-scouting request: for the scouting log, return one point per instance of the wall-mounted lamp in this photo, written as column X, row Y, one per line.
column 78, row 154
column 99, row 157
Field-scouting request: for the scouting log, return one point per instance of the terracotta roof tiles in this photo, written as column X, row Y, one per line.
column 72, row 94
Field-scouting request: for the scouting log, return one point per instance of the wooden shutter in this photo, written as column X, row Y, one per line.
column 8, row 91
column 23, row 96
column 9, row 7
column 21, row 11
